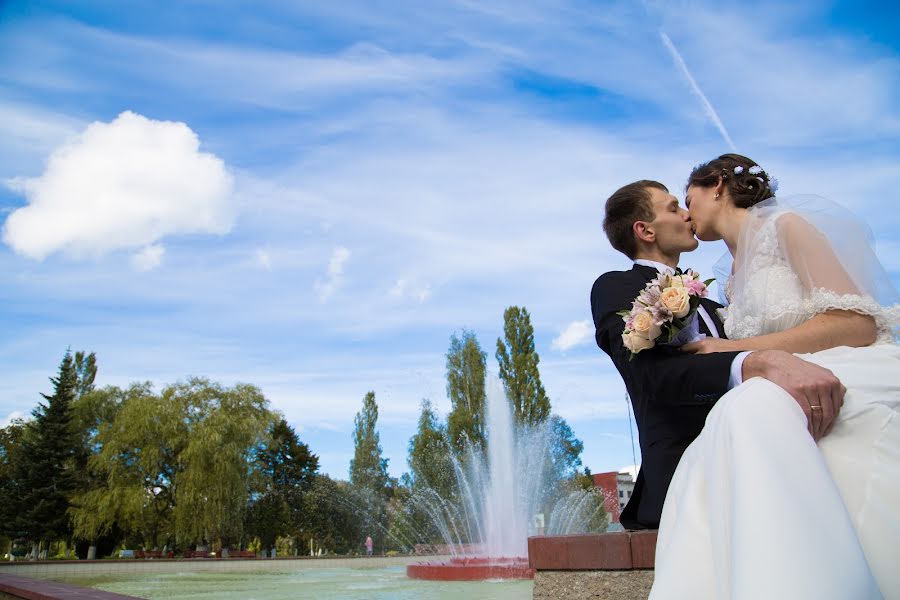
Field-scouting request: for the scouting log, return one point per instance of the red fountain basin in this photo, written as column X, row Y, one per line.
column 475, row 568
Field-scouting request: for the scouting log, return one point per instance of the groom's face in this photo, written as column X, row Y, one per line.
column 672, row 224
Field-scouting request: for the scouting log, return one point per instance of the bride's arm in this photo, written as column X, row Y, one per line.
column 812, row 259
column 826, row 330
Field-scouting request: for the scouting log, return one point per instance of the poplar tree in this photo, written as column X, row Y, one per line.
column 85, row 372
column 368, row 470
column 466, row 389
column 518, row 363
column 429, row 454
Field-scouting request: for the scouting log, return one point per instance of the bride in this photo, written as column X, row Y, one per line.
column 757, row 507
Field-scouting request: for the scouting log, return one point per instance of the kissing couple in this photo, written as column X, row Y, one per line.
column 770, row 441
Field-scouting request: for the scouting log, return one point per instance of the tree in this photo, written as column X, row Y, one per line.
column 518, row 363
column 429, row 455
column 565, row 449
column 86, row 372
column 46, row 471
column 12, row 490
column 92, row 412
column 371, row 484
column 285, row 472
column 368, row 470
column 213, row 487
column 135, row 462
column 466, row 389
column 177, row 465
column 332, row 521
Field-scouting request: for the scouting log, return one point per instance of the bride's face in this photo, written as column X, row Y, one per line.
column 704, row 208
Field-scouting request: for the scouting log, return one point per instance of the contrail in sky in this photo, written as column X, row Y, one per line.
column 710, row 111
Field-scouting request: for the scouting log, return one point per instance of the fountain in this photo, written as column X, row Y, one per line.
column 502, row 500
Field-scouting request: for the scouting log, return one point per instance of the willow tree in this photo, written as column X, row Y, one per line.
column 518, row 361
column 137, row 465
column 176, row 465
column 226, row 425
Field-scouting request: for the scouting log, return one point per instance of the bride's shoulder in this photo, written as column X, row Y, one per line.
column 791, row 226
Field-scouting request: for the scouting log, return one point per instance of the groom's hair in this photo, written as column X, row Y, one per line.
column 630, row 203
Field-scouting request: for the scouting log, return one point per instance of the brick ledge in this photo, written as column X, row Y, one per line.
column 33, row 589
column 621, row 551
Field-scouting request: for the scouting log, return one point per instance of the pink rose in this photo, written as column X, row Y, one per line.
column 696, row 288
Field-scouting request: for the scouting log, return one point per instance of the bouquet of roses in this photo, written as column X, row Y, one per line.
column 665, row 312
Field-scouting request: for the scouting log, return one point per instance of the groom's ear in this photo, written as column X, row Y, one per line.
column 644, row 232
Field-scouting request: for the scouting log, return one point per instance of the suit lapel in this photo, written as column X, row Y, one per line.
column 647, row 273
column 712, row 309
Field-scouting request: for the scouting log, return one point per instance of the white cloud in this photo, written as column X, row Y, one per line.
column 326, row 289
column 405, row 288
column 631, row 470
column 16, row 414
column 149, row 258
column 121, row 185
column 263, row 259
column 576, row 334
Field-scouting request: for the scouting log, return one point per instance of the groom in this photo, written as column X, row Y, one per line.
column 671, row 391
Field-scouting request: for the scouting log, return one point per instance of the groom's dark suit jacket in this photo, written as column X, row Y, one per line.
column 671, row 392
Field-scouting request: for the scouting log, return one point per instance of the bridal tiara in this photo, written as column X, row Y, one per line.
column 756, row 170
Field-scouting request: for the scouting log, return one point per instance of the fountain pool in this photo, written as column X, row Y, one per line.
column 296, row 583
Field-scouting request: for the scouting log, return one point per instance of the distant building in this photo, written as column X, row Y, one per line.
column 617, row 489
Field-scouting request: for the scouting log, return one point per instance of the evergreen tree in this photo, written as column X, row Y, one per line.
column 429, row 455
column 368, row 470
column 46, row 471
column 518, row 363
column 466, row 389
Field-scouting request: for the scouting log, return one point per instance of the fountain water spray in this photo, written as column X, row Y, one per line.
column 500, row 493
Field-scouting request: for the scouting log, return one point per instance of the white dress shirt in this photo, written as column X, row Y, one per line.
column 737, row 364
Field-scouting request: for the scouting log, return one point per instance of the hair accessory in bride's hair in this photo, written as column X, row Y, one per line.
column 773, row 184
column 738, row 170
column 755, row 170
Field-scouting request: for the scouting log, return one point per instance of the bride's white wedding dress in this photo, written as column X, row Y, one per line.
column 756, row 509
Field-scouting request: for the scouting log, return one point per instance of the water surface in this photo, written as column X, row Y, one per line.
column 384, row 583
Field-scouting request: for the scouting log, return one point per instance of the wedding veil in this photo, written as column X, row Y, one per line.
column 829, row 248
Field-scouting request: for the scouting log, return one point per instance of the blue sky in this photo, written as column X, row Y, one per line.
column 312, row 197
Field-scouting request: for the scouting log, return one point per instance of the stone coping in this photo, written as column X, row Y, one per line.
column 73, row 570
column 34, row 589
column 620, row 551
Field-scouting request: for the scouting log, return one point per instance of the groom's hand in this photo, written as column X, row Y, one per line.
column 817, row 390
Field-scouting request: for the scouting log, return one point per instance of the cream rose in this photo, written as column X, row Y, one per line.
column 643, row 325
column 677, row 300
column 636, row 342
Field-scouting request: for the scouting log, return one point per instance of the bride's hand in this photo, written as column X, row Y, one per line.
column 710, row 344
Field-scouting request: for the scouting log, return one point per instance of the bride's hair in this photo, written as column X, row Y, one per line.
column 745, row 184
